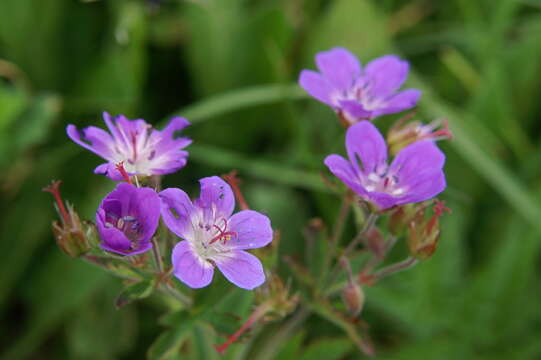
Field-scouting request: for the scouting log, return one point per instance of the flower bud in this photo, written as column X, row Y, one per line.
column 403, row 134
column 402, row 216
column 424, row 233
column 353, row 298
column 275, row 292
column 69, row 233
column 375, row 242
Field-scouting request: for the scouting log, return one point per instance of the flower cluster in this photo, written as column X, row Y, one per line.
column 128, row 217
column 205, row 233
column 402, row 188
column 360, row 95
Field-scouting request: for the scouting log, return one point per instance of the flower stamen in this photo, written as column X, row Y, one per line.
column 222, row 233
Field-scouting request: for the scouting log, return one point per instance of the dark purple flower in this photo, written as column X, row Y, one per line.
column 213, row 236
column 141, row 149
column 357, row 93
column 127, row 219
column 416, row 173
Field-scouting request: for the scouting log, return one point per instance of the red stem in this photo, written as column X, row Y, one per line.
column 255, row 316
column 234, row 182
column 54, row 189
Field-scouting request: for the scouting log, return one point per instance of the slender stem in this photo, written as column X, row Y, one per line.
column 161, row 269
column 375, row 260
column 390, row 243
column 54, row 189
column 258, row 313
column 270, row 347
column 345, row 264
column 176, row 294
column 341, row 218
column 95, row 260
column 391, row 269
column 233, row 181
column 370, row 220
column 157, row 256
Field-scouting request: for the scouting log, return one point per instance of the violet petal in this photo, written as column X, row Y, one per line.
column 216, row 199
column 189, row 269
column 252, row 230
column 364, row 142
column 385, row 75
column 342, row 169
column 176, row 210
column 404, row 100
column 317, row 86
column 241, row 268
column 339, row 66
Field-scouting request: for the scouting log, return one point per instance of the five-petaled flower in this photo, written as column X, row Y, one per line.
column 142, row 150
column 213, row 236
column 357, row 93
column 416, row 173
column 127, row 219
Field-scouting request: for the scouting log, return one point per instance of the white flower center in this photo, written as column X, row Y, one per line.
column 384, row 182
column 209, row 239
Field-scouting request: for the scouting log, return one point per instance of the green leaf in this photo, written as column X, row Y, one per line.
column 12, row 103
column 102, row 332
column 292, row 347
column 228, row 313
column 53, row 300
column 203, row 339
column 30, row 128
column 259, row 168
column 327, row 349
column 354, row 24
column 326, row 311
column 233, row 100
column 168, row 344
column 114, row 80
column 139, row 290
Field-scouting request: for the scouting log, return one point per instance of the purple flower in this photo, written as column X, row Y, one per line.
column 212, row 237
column 141, row 149
column 416, row 173
column 127, row 219
column 356, row 93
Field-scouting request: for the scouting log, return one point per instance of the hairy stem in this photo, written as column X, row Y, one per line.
column 394, row 268
column 341, row 218
column 157, row 256
column 369, row 222
column 258, row 313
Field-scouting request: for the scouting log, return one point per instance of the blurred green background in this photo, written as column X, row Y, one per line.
column 230, row 67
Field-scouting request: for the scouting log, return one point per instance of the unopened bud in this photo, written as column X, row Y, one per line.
column 278, row 294
column 402, row 216
column 403, row 134
column 375, row 242
column 424, row 233
column 353, row 298
column 69, row 233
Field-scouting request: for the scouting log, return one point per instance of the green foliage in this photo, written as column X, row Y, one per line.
column 230, row 67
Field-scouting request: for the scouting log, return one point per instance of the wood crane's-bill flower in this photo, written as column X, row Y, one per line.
column 141, row 149
column 358, row 93
column 127, row 219
column 213, row 236
column 415, row 174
